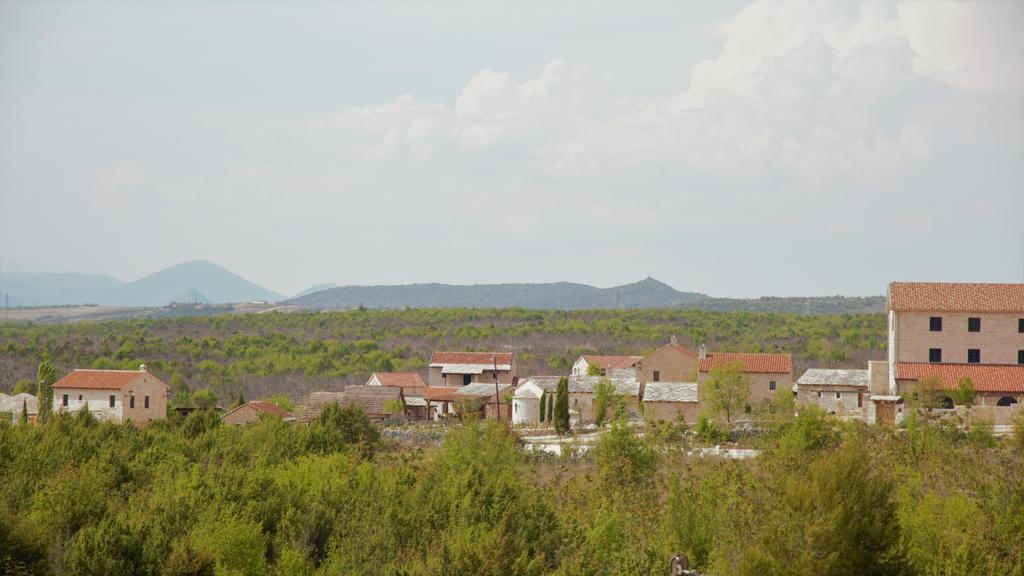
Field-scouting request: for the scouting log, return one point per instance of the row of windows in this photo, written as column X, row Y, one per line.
column 973, row 355
column 656, row 377
column 973, row 324
column 113, row 401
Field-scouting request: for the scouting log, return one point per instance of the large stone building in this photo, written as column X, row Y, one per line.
column 114, row 395
column 946, row 332
column 673, row 362
column 464, row 368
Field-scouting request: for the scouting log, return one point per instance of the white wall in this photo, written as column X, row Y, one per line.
column 97, row 400
column 525, row 411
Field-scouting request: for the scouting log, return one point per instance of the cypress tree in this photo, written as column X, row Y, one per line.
column 46, row 376
column 543, row 405
column 551, row 410
column 562, row 407
column 24, row 411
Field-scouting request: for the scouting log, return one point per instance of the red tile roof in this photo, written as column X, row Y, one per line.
column 471, row 358
column 100, row 379
column 984, row 377
column 956, row 297
column 752, row 363
column 403, row 379
column 441, row 393
column 612, row 362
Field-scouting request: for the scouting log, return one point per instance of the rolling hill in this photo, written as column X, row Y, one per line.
column 198, row 281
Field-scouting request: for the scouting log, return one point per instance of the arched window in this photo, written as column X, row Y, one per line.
column 1006, row 401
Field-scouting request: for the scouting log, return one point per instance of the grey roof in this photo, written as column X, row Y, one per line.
column 415, row 401
column 15, row 403
column 371, row 399
column 480, row 389
column 670, row 392
column 829, row 377
column 625, row 383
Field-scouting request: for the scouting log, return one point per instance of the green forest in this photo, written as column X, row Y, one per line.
column 334, row 497
column 295, row 353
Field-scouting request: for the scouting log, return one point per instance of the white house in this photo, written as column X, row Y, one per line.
column 526, row 404
column 603, row 363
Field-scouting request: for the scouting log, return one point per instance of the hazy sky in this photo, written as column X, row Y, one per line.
column 734, row 149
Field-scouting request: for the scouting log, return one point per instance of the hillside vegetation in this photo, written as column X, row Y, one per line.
column 195, row 497
column 296, row 353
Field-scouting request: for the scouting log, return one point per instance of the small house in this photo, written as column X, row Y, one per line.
column 602, row 364
column 671, row 401
column 115, row 395
column 253, row 411
column 490, row 399
column 835, row 391
column 526, row 404
column 18, row 403
column 464, row 368
column 377, row 402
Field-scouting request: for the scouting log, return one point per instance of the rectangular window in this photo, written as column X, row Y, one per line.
column 1020, row 325
column 935, row 323
column 79, row 397
column 65, row 400
column 131, row 402
column 112, row 400
column 657, row 376
column 145, row 401
column 1020, row 356
column 771, row 385
column 467, row 379
column 935, row 354
column 973, row 356
column 974, row 324
column 839, row 395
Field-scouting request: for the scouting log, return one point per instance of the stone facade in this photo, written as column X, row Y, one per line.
column 998, row 340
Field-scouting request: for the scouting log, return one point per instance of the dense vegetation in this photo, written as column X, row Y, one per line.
column 262, row 354
column 194, row 497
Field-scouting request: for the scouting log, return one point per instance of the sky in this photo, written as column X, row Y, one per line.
column 735, row 149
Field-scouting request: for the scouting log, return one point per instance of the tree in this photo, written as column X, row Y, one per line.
column 965, row 392
column 204, row 398
column 726, row 390
column 593, row 370
column 605, row 398
column 551, row 410
column 240, row 401
column 46, row 376
column 25, row 385
column 543, row 405
column 24, row 412
column 562, row 406
column 281, row 401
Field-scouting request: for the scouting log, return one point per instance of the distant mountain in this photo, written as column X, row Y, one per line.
column 648, row 293
column 198, row 281
column 316, row 288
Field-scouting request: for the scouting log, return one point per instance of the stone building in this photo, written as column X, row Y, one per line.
column 114, row 395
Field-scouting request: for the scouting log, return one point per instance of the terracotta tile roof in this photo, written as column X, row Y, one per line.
column 612, row 362
column 402, row 379
column 471, row 358
column 441, row 393
column 956, row 297
column 984, row 377
column 752, row 363
column 262, row 407
column 100, row 379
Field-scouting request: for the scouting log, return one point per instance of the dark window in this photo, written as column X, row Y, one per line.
column 657, row 376
column 935, row 354
column 771, row 385
column 935, row 323
column 112, row 400
column 974, row 324
column 131, row 402
column 839, row 395
column 145, row 401
column 1020, row 356
column 973, row 356
column 467, row 379
column 1020, row 325
column 65, row 399
column 79, row 397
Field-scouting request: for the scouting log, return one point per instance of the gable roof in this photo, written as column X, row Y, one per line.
column 751, row 363
column 677, row 347
column 956, row 297
column 473, row 358
column 371, row 399
column 528, row 390
column 401, row 379
column 605, row 362
column 827, row 377
column 85, row 379
column 984, row 377
column 262, row 407
column 670, row 392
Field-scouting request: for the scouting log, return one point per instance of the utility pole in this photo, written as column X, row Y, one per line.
column 497, row 396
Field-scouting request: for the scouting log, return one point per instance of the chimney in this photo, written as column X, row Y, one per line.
column 142, row 367
column 702, row 351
